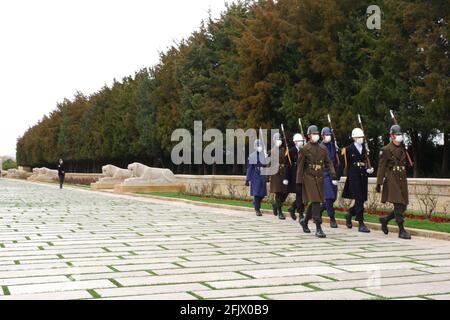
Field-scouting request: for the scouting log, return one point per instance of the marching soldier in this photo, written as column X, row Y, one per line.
column 392, row 176
column 312, row 161
column 330, row 189
column 291, row 177
column 355, row 166
column 276, row 181
column 254, row 179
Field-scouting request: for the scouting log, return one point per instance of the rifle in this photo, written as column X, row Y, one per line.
column 261, row 137
column 369, row 165
column 301, row 127
column 287, row 146
column 335, row 142
column 411, row 163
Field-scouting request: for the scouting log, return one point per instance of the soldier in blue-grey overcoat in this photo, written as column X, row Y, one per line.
column 255, row 179
column 330, row 189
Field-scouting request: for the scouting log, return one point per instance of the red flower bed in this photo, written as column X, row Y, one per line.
column 408, row 215
column 377, row 213
column 86, row 181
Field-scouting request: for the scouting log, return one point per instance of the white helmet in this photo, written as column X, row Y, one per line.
column 357, row 133
column 298, row 137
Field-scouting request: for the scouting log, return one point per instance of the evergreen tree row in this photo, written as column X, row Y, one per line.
column 263, row 63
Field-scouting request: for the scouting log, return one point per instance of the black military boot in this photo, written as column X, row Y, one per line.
column 384, row 225
column 280, row 213
column 333, row 223
column 292, row 213
column 304, row 224
column 258, row 213
column 319, row 232
column 402, row 232
column 348, row 219
column 363, row 228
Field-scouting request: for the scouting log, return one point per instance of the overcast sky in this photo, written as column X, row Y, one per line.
column 52, row 48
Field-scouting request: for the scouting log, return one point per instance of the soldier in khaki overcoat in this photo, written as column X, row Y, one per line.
column 312, row 161
column 392, row 177
column 277, row 186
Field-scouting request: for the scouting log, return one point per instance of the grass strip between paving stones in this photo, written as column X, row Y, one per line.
column 94, row 294
column 410, row 223
column 6, row 291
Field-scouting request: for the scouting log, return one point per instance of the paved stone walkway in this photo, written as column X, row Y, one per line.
column 76, row 244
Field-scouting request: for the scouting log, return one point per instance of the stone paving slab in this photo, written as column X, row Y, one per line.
column 369, row 274
column 410, row 289
column 267, row 282
column 324, row 295
column 67, row 295
column 440, row 297
column 242, row 292
column 79, row 244
column 381, row 281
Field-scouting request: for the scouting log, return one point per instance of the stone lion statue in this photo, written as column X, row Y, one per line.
column 17, row 174
column 144, row 175
column 114, row 174
column 43, row 174
column 35, row 174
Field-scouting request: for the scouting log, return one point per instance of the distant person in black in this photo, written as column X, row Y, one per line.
column 61, row 172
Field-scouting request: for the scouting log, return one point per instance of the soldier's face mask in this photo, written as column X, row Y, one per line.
column 315, row 138
column 278, row 143
column 327, row 139
column 259, row 149
column 299, row 144
column 399, row 138
column 359, row 141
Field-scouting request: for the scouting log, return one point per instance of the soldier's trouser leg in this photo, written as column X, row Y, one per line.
column 308, row 214
column 257, row 203
column 390, row 216
column 316, row 211
column 317, row 215
column 329, row 207
column 293, row 207
column 358, row 209
column 299, row 200
column 280, row 197
column 399, row 209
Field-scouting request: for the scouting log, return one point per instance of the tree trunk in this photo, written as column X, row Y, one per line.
column 445, row 155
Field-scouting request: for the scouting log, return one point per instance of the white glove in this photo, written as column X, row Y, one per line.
column 370, row 171
column 286, row 182
column 335, row 182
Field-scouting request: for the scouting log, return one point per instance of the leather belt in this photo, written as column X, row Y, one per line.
column 360, row 164
column 315, row 167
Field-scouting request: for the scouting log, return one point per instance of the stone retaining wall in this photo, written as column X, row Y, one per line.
column 421, row 190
